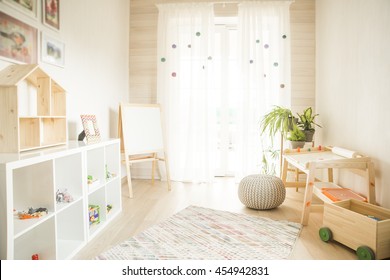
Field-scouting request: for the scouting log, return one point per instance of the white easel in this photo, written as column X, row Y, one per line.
column 142, row 137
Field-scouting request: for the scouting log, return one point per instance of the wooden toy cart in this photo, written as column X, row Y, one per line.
column 361, row 226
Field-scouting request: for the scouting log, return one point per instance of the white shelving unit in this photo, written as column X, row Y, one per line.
column 32, row 179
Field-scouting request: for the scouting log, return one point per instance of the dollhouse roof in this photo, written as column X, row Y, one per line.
column 14, row 74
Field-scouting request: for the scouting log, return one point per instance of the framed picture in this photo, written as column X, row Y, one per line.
column 28, row 7
column 18, row 41
column 52, row 51
column 91, row 129
column 51, row 13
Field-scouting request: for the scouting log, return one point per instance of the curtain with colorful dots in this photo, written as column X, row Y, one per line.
column 185, row 88
column 264, row 63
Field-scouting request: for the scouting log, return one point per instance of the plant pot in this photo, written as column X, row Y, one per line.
column 309, row 135
column 297, row 144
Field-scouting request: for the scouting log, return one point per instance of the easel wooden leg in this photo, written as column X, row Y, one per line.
column 129, row 177
column 167, row 169
column 153, row 167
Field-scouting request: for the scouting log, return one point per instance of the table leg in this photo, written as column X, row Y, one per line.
column 284, row 171
column 330, row 175
column 308, row 194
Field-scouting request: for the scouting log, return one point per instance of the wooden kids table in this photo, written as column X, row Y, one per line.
column 309, row 160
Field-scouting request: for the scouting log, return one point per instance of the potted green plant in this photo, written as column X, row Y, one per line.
column 278, row 120
column 296, row 138
column 307, row 124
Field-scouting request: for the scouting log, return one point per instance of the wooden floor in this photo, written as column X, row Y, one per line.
column 154, row 203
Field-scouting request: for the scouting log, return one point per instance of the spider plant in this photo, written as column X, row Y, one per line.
column 279, row 119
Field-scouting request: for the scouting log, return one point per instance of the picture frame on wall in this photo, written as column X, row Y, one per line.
column 18, row 40
column 91, row 130
column 28, row 7
column 51, row 13
column 52, row 51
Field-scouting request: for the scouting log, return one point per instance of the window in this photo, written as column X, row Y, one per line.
column 226, row 93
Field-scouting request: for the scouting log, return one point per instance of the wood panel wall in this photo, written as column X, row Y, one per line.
column 143, row 49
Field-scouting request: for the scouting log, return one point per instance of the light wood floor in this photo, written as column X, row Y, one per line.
column 153, row 203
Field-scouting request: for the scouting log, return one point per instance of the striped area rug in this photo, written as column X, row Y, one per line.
column 198, row 233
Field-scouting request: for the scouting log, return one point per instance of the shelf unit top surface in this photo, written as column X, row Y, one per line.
column 15, row 160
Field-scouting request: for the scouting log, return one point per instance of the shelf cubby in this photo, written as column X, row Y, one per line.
column 112, row 156
column 68, row 177
column 33, row 186
column 71, row 234
column 96, row 168
column 39, row 240
column 113, row 191
column 53, row 131
column 29, row 133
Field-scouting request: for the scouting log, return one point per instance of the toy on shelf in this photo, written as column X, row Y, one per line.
column 63, row 196
column 109, row 174
column 94, row 217
column 32, row 213
column 92, row 182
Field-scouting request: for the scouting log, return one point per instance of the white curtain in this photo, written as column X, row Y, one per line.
column 264, row 64
column 185, row 89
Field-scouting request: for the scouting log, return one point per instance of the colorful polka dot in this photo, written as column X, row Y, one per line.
column 282, row 85
column 266, row 46
column 174, row 46
column 163, row 59
column 198, row 34
column 251, row 61
column 174, row 74
column 189, row 46
column 276, row 64
column 284, row 36
column 257, row 41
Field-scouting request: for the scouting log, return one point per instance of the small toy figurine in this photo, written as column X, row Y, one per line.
column 59, row 196
column 35, row 257
column 109, row 174
column 33, row 213
column 63, row 196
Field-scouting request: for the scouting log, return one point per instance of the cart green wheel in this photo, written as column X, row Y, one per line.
column 325, row 234
column 365, row 253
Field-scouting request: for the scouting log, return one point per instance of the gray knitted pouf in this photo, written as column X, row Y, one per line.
column 261, row 191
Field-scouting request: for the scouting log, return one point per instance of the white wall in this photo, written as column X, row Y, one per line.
column 96, row 72
column 353, row 82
